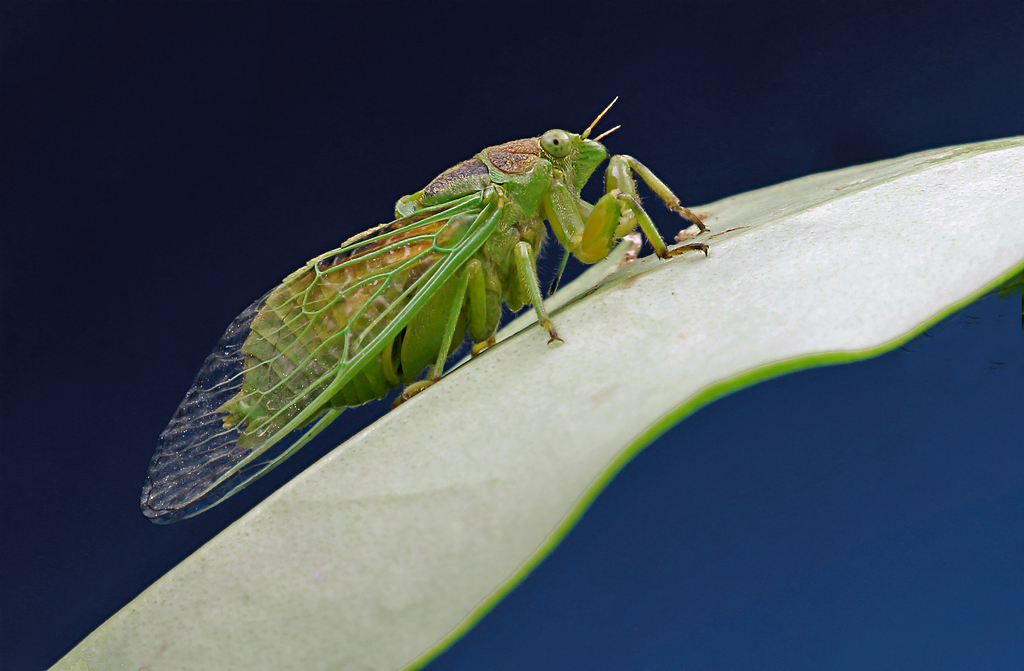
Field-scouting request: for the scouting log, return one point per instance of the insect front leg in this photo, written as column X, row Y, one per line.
column 613, row 216
column 620, row 188
column 618, row 176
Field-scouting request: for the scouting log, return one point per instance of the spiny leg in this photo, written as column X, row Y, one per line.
column 618, row 176
column 651, row 231
column 589, row 232
column 558, row 275
column 614, row 215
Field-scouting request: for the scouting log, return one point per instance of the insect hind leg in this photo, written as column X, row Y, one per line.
column 451, row 326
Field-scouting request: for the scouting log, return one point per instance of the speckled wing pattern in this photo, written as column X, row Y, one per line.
column 280, row 362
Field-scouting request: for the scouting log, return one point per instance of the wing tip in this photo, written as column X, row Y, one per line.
column 160, row 517
column 153, row 512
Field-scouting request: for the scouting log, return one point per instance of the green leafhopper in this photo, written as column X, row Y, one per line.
column 371, row 315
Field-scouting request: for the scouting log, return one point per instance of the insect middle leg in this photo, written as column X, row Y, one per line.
column 527, row 267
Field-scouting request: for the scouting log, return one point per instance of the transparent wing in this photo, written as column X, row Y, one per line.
column 280, row 362
column 195, row 447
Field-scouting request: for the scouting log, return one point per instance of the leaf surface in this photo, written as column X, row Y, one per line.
column 394, row 544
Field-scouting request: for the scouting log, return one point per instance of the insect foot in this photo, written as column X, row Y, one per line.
column 549, row 326
column 696, row 246
column 696, row 219
column 411, row 390
column 480, row 347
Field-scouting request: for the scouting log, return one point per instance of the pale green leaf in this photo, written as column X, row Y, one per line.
column 391, row 546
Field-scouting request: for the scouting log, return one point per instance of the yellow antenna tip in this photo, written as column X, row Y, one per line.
column 606, row 133
column 586, row 133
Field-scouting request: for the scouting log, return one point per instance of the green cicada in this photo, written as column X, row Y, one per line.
column 370, row 316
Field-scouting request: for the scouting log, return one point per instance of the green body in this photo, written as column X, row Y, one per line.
column 366, row 318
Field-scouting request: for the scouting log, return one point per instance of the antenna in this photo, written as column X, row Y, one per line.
column 586, row 133
column 607, row 132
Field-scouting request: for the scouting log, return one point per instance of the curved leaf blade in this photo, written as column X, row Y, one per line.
column 394, row 544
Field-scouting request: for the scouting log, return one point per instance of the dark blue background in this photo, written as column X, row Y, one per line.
column 162, row 166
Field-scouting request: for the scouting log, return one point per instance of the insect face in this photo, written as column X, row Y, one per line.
column 574, row 155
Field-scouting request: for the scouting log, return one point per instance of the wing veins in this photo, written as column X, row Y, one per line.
column 344, row 374
column 163, row 489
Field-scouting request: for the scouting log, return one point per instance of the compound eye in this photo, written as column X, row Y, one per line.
column 556, row 142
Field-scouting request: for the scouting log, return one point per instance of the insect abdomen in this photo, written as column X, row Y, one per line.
column 309, row 327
